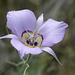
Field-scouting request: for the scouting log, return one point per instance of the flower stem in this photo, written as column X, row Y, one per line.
column 28, row 58
column 26, row 69
column 25, row 62
column 14, row 64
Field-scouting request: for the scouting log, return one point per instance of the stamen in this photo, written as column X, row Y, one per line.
column 30, row 40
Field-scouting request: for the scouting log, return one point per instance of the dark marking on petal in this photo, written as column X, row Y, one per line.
column 23, row 33
column 27, row 41
column 35, row 43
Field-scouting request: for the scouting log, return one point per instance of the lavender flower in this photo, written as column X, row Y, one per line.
column 31, row 36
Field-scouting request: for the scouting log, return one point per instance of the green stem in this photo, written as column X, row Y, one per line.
column 25, row 62
column 28, row 58
column 26, row 69
column 22, row 62
column 14, row 64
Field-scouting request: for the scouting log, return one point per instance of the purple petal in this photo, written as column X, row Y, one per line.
column 23, row 49
column 50, row 51
column 39, row 21
column 19, row 21
column 52, row 31
column 9, row 36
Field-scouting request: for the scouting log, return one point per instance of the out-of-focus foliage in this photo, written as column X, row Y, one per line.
column 43, row 64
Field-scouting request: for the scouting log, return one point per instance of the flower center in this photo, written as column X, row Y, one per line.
column 30, row 40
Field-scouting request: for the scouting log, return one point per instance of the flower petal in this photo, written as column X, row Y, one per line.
column 9, row 36
column 19, row 21
column 23, row 49
column 39, row 22
column 52, row 31
column 50, row 51
column 28, row 50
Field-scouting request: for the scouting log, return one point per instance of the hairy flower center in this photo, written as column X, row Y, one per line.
column 30, row 40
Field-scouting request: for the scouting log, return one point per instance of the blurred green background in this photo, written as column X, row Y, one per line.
column 42, row 64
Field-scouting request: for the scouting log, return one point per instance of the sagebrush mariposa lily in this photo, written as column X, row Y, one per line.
column 31, row 36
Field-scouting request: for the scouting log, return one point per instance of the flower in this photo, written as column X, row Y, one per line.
column 31, row 36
